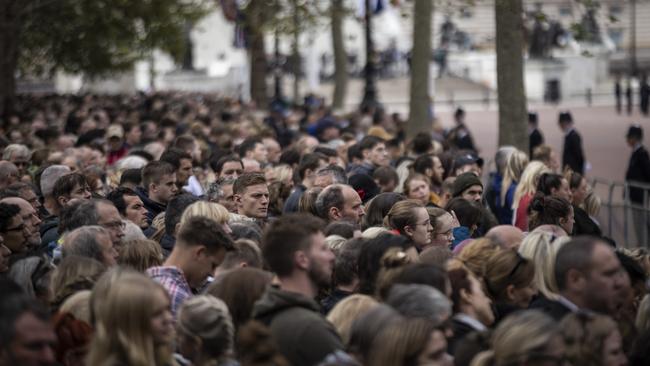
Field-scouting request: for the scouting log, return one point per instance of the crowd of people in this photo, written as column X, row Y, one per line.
column 186, row 229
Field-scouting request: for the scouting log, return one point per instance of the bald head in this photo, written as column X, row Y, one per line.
column 50, row 176
column 8, row 174
column 507, row 236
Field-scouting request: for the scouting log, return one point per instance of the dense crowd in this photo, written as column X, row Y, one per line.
column 188, row 229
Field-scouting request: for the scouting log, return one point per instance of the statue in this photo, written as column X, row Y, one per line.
column 540, row 40
column 590, row 30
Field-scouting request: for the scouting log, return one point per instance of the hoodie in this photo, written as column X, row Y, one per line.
column 302, row 334
column 153, row 208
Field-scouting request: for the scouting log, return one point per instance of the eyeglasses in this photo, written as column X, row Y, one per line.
column 520, row 260
column 116, row 225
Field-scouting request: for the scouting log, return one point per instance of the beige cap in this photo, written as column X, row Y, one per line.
column 115, row 131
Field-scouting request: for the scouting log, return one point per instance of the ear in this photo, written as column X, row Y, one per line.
column 62, row 200
column 334, row 213
column 243, row 265
column 153, row 187
column 199, row 252
column 236, row 198
column 408, row 230
column 510, row 292
column 465, row 296
column 575, row 279
column 176, row 228
column 366, row 154
column 301, row 260
column 428, row 172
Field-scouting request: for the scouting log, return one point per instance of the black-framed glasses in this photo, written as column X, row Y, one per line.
column 520, row 260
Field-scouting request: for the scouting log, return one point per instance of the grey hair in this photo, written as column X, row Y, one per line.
column 19, row 149
column 331, row 196
column 83, row 242
column 501, row 157
column 419, row 301
column 50, row 175
column 132, row 232
column 337, row 173
column 208, row 318
column 131, row 162
column 85, row 214
column 32, row 275
column 215, row 191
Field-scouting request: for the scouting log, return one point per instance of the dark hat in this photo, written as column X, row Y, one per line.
column 565, row 117
column 635, row 131
column 325, row 123
column 532, row 117
column 459, row 112
column 467, row 159
column 465, row 181
column 365, row 186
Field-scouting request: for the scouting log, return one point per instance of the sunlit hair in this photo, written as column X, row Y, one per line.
column 528, row 181
column 140, row 254
column 541, row 248
column 518, row 339
column 592, row 203
column 347, row 311
column 476, row 254
column 211, row 210
column 402, row 214
column 515, row 165
column 584, row 337
column 207, row 318
column 73, row 274
column 504, row 268
column 122, row 323
column 401, row 343
column 281, row 173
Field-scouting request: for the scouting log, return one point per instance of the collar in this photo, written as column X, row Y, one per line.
column 466, row 319
column 571, row 129
column 637, row 146
column 568, row 304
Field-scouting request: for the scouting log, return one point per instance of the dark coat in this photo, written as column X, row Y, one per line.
column 638, row 170
column 535, row 139
column 572, row 155
column 461, row 330
column 153, row 208
column 554, row 309
column 297, row 327
column 584, row 225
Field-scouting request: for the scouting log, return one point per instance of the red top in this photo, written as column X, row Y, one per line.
column 521, row 217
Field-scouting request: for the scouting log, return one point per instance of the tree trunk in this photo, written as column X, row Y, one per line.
column 419, row 115
column 513, row 127
column 10, row 27
column 297, row 65
column 340, row 56
column 257, row 54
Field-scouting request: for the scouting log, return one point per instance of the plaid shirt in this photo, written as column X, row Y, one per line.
column 173, row 280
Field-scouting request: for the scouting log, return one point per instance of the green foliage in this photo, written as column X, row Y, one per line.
column 100, row 36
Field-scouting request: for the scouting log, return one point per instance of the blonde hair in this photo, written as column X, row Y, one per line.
column 373, row 232
column 208, row 318
column 347, row 311
column 504, row 268
column 123, row 333
column 400, row 342
column 592, row 203
column 78, row 305
column 515, row 165
column 528, row 181
column 476, row 254
column 518, row 336
column 335, row 242
column 584, row 337
column 281, row 173
column 74, row 273
column 211, row 210
column 539, row 247
column 141, row 254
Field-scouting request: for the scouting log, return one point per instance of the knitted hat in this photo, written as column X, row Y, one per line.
column 465, row 181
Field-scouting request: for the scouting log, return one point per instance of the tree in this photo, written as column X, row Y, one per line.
column 337, row 12
column 419, row 116
column 513, row 128
column 93, row 37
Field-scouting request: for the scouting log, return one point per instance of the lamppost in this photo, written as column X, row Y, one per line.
column 370, row 89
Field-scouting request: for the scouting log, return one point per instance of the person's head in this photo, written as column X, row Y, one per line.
column 26, row 334
column 565, row 120
column 467, row 295
column 294, row 246
column 253, row 148
column 634, row 135
column 420, row 301
column 422, row 274
column 205, row 332
column 307, row 202
column 25, row 191
column 134, row 324
column 546, row 155
column 251, row 195
column 129, row 205
column 159, row 179
column 509, row 278
column 12, row 228
column 131, row 178
column 416, row 187
column 372, row 251
column 549, row 210
column 378, row 207
column 19, row 155
column 592, row 340
column 554, row 185
column 367, row 327
column 515, row 165
column 240, row 288
column 507, row 236
column 532, row 119
column 74, row 273
column 8, row 174
column 273, row 149
column 182, row 163
column 229, row 166
column 468, row 213
column 373, row 150
column 468, row 186
column 91, row 241
column 525, row 338
column 467, row 163
column 49, row 176
column 345, row 271
column 213, row 211
column 73, row 336
column 202, row 246
column 459, row 115
column 411, row 342
column 308, row 167
column 339, row 202
column 431, row 167
column 246, row 253
column 411, row 219
column 331, row 174
column 579, row 188
column 344, row 229
column 29, row 218
column 140, row 255
column 386, row 178
column 246, row 230
column 443, row 224
column 475, row 255
column 541, row 248
column 589, row 274
column 347, row 311
column 70, row 186
column 221, row 192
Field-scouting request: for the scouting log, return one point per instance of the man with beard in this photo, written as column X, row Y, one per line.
column 295, row 250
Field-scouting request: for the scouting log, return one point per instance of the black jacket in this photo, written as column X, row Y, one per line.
column 535, row 139
column 461, row 330
column 584, row 225
column 554, row 309
column 638, row 170
column 572, row 155
column 298, row 329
